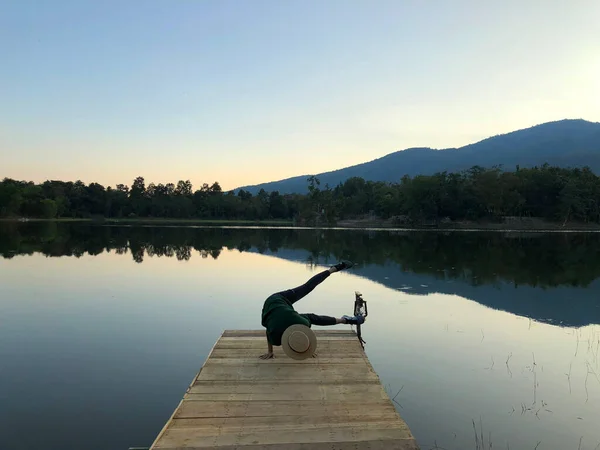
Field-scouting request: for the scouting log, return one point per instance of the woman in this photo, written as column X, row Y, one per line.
column 282, row 322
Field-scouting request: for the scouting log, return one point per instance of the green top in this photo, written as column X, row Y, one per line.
column 277, row 315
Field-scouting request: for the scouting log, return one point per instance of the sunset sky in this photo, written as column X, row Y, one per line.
column 243, row 92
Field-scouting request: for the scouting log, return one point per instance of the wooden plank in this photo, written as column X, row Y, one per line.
column 290, row 372
column 215, row 430
column 340, row 419
column 275, row 396
column 325, row 338
column 332, row 402
column 192, row 409
column 255, row 360
column 261, row 345
column 272, row 397
column 320, row 338
column 261, row 333
column 397, row 444
column 286, row 391
column 335, row 340
column 178, row 438
column 329, row 352
column 266, row 385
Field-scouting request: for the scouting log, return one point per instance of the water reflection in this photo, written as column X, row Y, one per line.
column 549, row 270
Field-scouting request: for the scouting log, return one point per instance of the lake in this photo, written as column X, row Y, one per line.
column 494, row 335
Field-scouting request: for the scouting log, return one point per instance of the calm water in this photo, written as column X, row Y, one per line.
column 103, row 328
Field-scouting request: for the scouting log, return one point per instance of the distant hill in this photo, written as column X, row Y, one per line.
column 565, row 143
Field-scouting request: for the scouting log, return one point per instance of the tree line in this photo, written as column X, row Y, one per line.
column 547, row 192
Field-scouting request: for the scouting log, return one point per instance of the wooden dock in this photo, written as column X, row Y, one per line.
column 332, row 402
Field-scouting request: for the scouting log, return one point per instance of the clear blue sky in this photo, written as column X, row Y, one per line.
column 243, row 92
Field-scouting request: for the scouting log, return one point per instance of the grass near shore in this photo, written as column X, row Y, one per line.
column 525, row 225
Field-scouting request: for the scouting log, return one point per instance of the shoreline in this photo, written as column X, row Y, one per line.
column 367, row 225
column 148, row 221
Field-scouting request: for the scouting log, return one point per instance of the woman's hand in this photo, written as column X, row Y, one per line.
column 269, row 354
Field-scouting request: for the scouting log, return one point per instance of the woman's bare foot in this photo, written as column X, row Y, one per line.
column 342, row 265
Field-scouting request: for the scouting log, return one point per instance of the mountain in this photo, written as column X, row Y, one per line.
column 565, row 143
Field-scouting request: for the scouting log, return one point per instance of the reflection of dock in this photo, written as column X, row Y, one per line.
column 332, row 402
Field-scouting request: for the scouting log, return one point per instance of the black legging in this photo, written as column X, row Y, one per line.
column 295, row 294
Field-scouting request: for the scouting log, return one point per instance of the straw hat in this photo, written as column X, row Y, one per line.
column 299, row 341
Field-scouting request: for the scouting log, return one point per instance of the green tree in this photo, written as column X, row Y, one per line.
column 10, row 198
column 48, row 208
column 277, row 208
column 184, row 188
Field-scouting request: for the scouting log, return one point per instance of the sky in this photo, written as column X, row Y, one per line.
column 244, row 92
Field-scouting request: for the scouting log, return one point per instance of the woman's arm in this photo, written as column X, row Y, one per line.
column 269, row 353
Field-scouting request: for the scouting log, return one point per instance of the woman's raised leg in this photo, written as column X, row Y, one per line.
column 295, row 294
